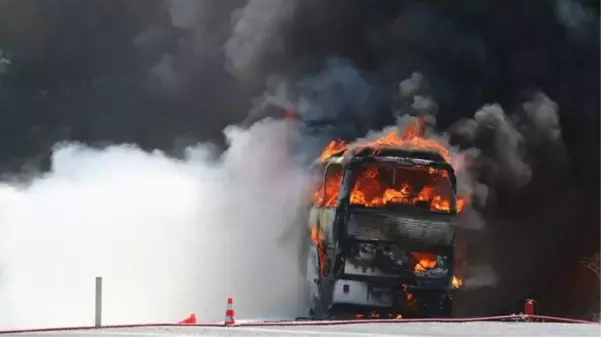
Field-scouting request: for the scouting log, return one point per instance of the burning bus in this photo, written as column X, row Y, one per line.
column 381, row 224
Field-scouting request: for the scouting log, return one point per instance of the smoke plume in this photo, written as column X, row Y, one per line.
column 169, row 237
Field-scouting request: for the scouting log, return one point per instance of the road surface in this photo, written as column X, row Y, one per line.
column 479, row 329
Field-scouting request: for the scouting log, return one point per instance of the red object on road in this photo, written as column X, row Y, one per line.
column 529, row 307
column 229, row 313
column 190, row 320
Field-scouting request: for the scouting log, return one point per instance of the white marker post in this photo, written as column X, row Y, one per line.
column 98, row 310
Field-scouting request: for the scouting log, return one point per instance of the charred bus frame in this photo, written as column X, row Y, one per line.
column 339, row 245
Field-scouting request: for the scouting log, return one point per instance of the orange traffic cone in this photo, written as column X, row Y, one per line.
column 229, row 312
column 190, row 320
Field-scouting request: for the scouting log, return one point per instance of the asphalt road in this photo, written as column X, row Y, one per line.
column 476, row 329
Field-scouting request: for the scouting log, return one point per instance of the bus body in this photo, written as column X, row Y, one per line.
column 382, row 235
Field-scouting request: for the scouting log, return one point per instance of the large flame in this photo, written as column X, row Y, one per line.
column 414, row 186
column 411, row 138
column 370, row 189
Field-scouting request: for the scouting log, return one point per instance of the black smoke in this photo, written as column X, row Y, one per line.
column 167, row 73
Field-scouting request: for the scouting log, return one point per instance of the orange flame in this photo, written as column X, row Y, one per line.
column 369, row 189
column 317, row 238
column 411, row 138
column 411, row 300
column 457, row 282
column 372, row 190
column 423, row 261
column 335, row 147
column 326, row 196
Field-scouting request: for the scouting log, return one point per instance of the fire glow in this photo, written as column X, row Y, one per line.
column 425, row 261
column 411, row 138
column 368, row 189
column 317, row 238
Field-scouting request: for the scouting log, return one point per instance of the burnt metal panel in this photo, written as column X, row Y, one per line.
column 410, row 228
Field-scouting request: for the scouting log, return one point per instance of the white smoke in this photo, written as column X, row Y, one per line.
column 169, row 237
